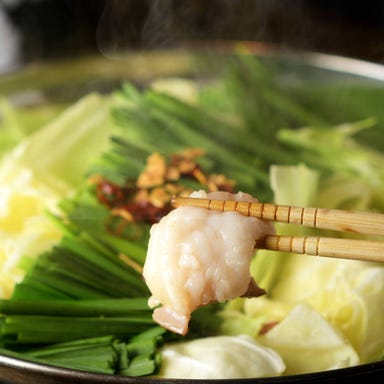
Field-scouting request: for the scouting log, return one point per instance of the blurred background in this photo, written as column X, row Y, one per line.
column 32, row 30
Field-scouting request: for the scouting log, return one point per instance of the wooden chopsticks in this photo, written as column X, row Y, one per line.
column 324, row 246
column 333, row 219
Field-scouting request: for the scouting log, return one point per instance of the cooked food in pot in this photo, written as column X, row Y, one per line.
column 86, row 213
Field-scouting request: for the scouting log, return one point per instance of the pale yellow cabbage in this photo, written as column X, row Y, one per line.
column 309, row 343
column 25, row 229
column 349, row 294
column 330, row 312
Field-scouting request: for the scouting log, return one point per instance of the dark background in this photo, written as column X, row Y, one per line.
column 57, row 28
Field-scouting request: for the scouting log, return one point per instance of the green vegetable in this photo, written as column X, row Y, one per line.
column 17, row 123
column 85, row 296
column 334, row 151
column 104, row 307
column 137, row 356
column 85, row 142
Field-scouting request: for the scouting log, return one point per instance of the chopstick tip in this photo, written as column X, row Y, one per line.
column 175, row 201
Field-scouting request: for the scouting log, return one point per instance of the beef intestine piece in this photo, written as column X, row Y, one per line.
column 197, row 256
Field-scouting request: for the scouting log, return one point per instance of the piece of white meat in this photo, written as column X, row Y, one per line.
column 198, row 256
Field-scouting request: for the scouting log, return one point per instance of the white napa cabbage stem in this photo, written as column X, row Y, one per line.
column 220, row 357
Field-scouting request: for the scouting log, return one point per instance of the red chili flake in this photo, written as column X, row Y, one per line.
column 267, row 327
column 148, row 198
column 113, row 195
column 109, row 193
column 144, row 211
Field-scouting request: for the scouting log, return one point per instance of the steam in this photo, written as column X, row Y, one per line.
column 134, row 25
column 157, row 31
column 10, row 44
column 128, row 25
